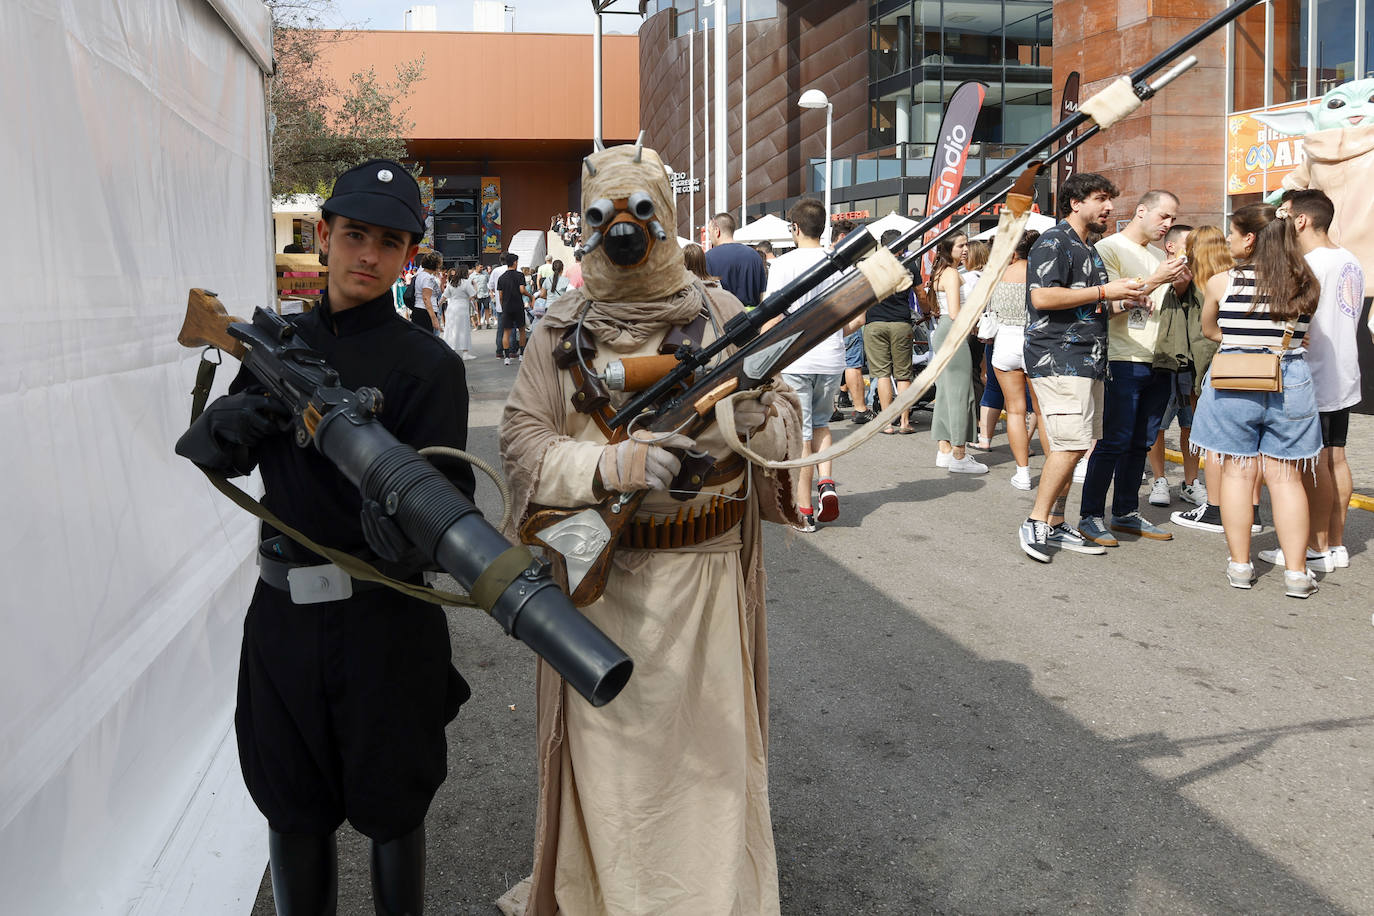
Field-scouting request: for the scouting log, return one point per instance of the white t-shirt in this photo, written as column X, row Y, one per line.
column 1331, row 338
column 826, row 357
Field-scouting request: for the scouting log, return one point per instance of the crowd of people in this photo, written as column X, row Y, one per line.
column 568, row 226
column 456, row 302
column 1096, row 344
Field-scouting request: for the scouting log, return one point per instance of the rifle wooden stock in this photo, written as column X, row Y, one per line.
column 207, row 325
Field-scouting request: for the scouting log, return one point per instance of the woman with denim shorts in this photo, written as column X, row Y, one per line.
column 1250, row 308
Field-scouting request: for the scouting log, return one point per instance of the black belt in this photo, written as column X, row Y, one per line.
column 315, row 579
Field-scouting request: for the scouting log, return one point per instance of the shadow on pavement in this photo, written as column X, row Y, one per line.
column 935, row 781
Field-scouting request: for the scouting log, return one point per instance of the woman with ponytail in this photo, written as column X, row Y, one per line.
column 1263, row 303
column 952, row 418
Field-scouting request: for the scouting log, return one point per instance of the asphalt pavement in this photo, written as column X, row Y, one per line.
column 956, row 729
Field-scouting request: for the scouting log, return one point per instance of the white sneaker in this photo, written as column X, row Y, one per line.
column 1159, row 492
column 1316, row 562
column 1340, row 557
column 942, row 459
column 1021, row 480
column 1299, row 584
column 467, row 354
column 1080, row 470
column 506, row 361
column 1195, row 492
column 967, row 465
column 1240, row 575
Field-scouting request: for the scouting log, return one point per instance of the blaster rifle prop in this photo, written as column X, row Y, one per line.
column 504, row 580
column 583, row 541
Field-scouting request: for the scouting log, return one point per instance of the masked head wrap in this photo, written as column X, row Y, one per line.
column 628, row 223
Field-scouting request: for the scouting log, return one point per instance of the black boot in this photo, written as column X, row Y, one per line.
column 398, row 875
column 305, row 873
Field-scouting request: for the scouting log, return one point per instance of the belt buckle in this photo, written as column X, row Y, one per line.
column 318, row 584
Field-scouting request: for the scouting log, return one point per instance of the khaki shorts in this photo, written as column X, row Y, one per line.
column 1072, row 408
column 887, row 345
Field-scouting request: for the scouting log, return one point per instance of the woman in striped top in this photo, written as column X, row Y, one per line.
column 1252, row 307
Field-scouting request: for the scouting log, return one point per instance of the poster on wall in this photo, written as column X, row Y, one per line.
column 427, row 203
column 490, row 216
column 1257, row 156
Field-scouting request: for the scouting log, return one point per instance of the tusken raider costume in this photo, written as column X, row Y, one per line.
column 658, row 803
column 342, row 704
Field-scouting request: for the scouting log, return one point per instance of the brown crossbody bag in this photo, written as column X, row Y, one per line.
column 1234, row 371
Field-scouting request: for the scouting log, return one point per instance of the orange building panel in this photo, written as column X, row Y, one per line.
column 501, row 86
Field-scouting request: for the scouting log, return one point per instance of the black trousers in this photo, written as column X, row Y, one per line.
column 341, row 711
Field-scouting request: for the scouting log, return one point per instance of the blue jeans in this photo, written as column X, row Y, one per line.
column 1134, row 401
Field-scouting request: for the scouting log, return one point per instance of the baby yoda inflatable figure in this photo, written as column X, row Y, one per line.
column 1338, row 140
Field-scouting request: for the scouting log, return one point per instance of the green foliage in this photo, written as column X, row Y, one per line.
column 320, row 128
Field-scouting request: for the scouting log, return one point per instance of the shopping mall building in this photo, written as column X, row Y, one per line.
column 517, row 108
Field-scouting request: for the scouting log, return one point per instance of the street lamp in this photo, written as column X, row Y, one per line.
column 814, row 98
column 600, row 7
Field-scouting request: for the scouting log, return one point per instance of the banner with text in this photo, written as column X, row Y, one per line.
column 951, row 153
column 1068, row 106
column 1257, row 157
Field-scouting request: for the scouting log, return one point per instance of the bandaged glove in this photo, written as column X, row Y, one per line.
column 751, row 413
column 225, row 434
column 635, row 465
column 386, row 538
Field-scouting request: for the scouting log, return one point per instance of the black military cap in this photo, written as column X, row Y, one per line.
column 380, row 192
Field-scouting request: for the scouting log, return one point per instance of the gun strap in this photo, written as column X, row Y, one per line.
column 205, row 380
column 358, row 569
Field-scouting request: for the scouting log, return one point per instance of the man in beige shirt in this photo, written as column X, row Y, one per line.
column 1136, row 394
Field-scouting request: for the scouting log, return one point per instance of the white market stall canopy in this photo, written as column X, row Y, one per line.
column 893, row 220
column 768, row 228
column 138, row 146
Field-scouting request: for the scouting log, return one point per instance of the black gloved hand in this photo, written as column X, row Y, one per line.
column 386, row 538
column 224, row 435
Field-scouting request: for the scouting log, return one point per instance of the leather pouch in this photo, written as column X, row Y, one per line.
column 1247, row 372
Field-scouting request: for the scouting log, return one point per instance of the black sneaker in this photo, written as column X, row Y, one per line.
column 861, row 417
column 1256, row 525
column 837, row 416
column 1204, row 518
column 808, row 522
column 829, row 501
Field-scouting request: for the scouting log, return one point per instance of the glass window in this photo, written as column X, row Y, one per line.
column 1029, row 34
column 1335, row 61
column 1288, row 81
column 972, row 33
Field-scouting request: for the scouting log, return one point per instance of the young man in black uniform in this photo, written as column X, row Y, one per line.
column 342, row 704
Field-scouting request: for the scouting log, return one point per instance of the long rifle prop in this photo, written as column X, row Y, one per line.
column 856, row 245
column 583, row 541
column 504, row 580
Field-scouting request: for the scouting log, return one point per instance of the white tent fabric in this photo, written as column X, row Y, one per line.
column 1038, row 222
column 767, row 228
column 136, row 146
column 893, row 220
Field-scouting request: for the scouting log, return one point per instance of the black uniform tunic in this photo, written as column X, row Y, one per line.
column 342, row 705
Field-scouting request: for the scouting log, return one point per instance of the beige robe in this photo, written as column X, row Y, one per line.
column 658, row 802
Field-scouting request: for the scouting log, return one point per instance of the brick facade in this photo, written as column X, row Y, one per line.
column 1177, row 140
column 812, row 44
